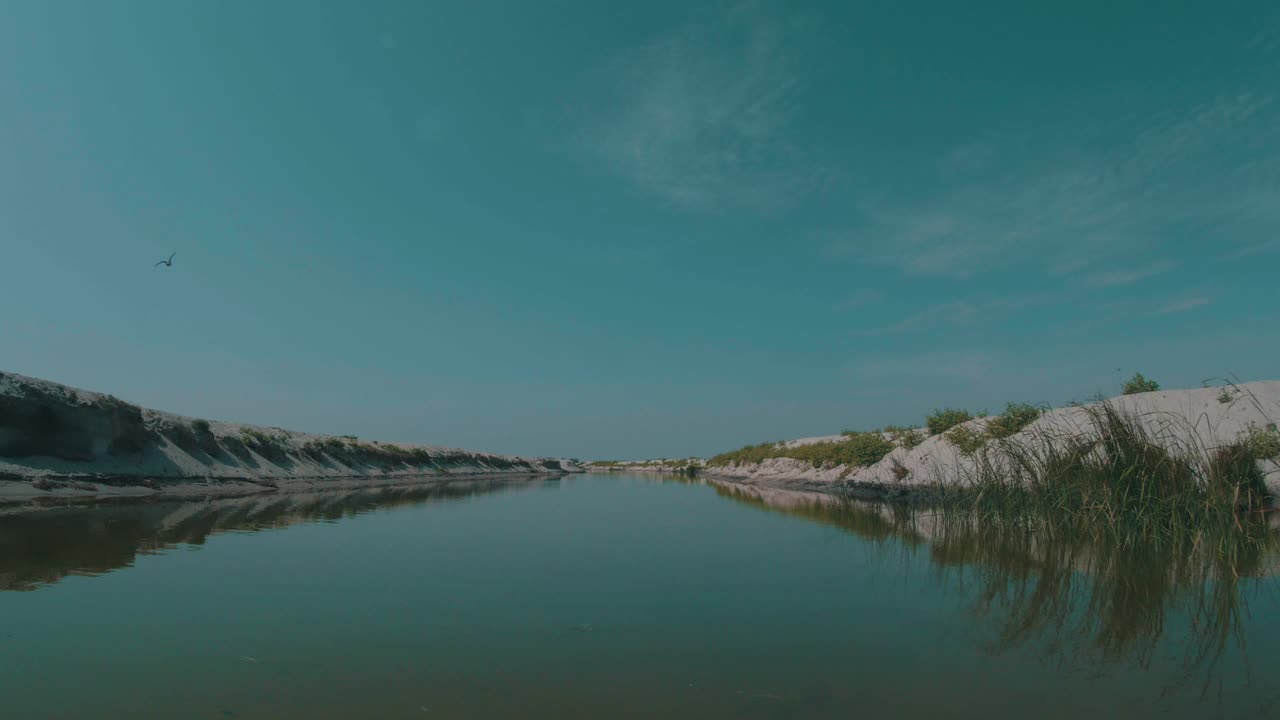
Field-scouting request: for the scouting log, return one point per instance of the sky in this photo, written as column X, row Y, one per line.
column 623, row 230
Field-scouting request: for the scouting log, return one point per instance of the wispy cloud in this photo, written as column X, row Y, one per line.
column 949, row 315
column 1257, row 248
column 701, row 116
column 972, row 365
column 932, row 317
column 1115, row 278
column 996, row 205
column 1184, row 305
column 860, row 299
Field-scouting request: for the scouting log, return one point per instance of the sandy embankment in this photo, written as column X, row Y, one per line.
column 1182, row 421
column 59, row 441
column 664, row 465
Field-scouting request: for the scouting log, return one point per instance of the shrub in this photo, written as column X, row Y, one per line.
column 967, row 439
column 1264, row 443
column 904, row 436
column 200, row 426
column 748, row 454
column 1015, row 417
column 856, row 449
column 271, row 447
column 1139, row 384
column 943, row 420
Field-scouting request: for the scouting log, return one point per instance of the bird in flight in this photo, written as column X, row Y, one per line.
column 166, row 263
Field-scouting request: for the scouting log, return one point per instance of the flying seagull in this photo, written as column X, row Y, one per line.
column 166, row 263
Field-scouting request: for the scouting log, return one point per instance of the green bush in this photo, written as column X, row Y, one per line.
column 856, row 449
column 1139, row 384
column 967, row 439
column 903, row 436
column 748, row 454
column 1015, row 417
column 943, row 420
column 1264, row 443
column 200, row 426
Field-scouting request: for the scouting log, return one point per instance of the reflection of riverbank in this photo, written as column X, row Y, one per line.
column 1078, row 599
column 41, row 546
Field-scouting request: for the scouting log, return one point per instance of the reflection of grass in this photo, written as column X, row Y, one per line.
column 1078, row 594
column 1106, row 598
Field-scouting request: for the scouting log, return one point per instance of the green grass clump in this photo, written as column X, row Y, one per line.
column 1139, row 384
column 687, row 469
column 857, row 449
column 1015, row 417
column 1265, row 443
column 200, row 426
column 749, row 454
column 1113, row 479
column 943, row 420
column 904, row 436
column 967, row 439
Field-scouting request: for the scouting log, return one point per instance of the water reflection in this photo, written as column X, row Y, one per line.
column 1080, row 603
column 1070, row 599
column 42, row 546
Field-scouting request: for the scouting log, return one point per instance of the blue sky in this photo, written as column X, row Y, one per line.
column 607, row 229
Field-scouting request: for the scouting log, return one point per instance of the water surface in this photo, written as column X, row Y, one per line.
column 607, row 596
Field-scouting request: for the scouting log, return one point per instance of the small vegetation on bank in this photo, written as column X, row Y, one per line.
column 943, row 420
column 1016, row 416
column 1139, row 384
column 1264, row 442
column 690, row 466
column 856, row 449
column 904, row 437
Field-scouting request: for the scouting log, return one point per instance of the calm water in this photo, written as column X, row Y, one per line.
column 605, row 596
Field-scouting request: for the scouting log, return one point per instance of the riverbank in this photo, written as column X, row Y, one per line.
column 1202, row 431
column 670, row 466
column 58, row 441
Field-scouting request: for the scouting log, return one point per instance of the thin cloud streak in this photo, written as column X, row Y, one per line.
column 702, row 127
column 971, row 365
column 1184, row 305
column 1072, row 210
column 1117, row 278
column 957, row 313
column 860, row 299
column 1257, row 248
